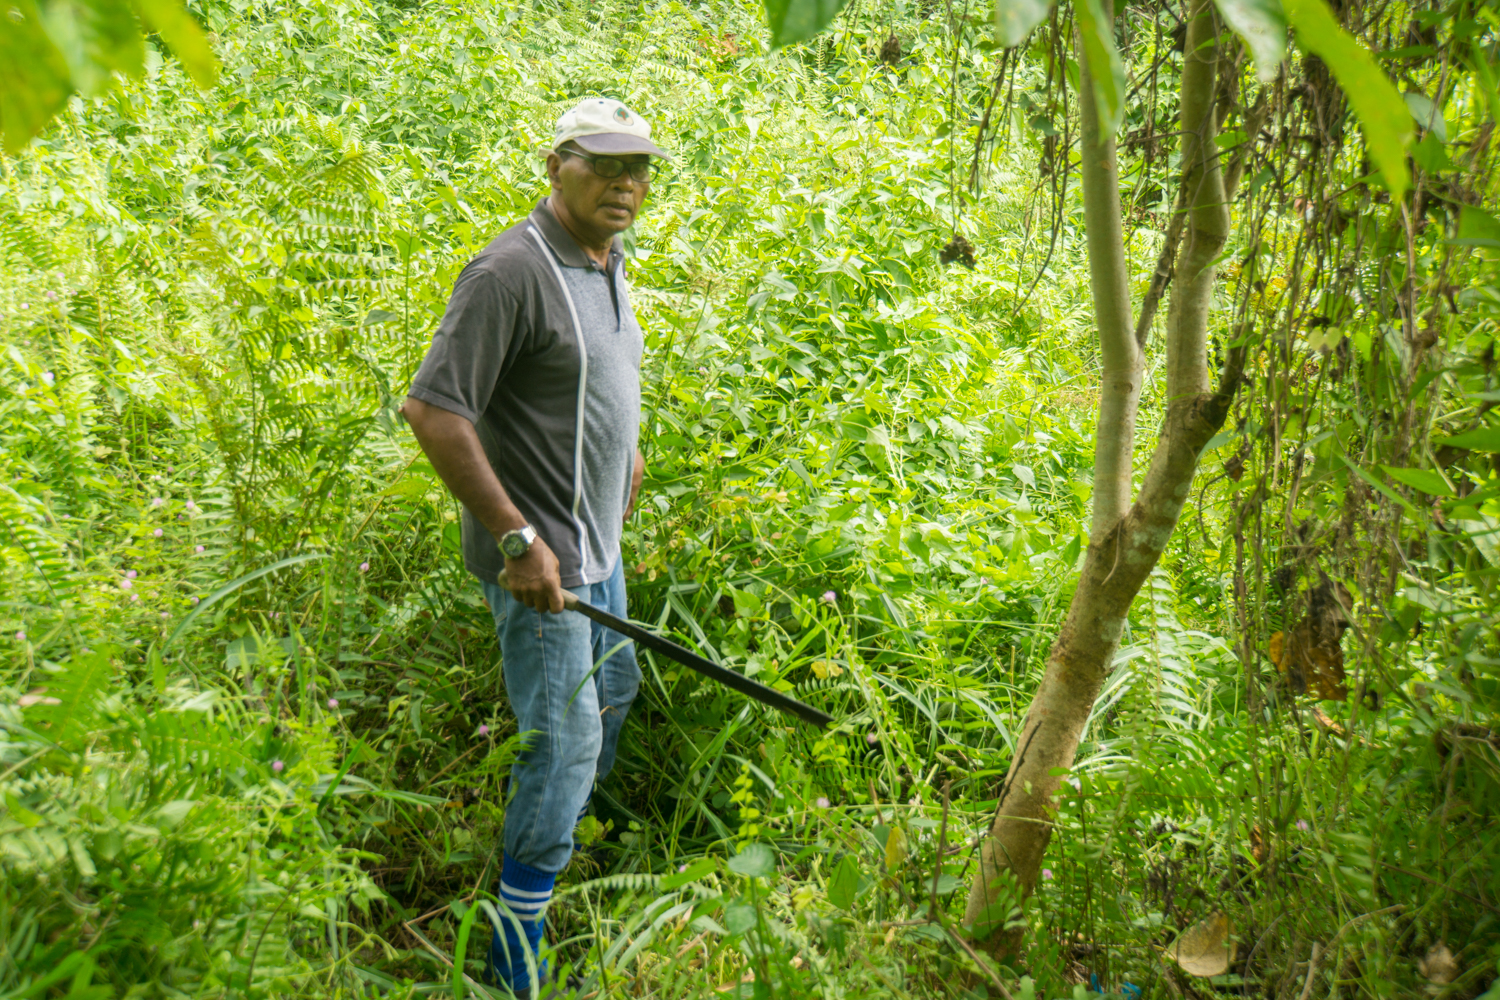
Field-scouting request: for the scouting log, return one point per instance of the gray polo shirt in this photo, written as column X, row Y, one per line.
column 540, row 348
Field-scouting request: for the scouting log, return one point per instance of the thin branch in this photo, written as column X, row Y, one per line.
column 1165, row 263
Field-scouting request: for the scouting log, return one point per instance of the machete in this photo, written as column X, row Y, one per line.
column 708, row 668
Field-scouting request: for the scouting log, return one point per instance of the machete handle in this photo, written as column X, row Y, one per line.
column 570, row 601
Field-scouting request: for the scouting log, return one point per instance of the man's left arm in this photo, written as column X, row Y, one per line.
column 636, row 475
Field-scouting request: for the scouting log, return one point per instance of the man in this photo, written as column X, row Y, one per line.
column 528, row 406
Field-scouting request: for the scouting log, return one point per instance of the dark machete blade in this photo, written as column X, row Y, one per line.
column 708, row 668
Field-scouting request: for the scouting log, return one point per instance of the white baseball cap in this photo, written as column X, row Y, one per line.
column 602, row 126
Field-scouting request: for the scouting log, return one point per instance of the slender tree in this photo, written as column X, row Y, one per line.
column 1126, row 539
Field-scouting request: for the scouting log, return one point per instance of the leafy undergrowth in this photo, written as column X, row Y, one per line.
column 254, row 735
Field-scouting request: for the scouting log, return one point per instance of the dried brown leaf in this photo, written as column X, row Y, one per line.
column 1206, row 948
column 1438, row 965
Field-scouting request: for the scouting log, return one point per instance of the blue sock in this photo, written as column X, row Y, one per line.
column 583, row 810
column 524, row 892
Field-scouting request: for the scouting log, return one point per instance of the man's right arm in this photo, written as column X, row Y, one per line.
column 452, row 445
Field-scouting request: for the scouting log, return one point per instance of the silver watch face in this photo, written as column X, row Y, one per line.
column 515, row 544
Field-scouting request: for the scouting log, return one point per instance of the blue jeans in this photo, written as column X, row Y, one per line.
column 572, row 710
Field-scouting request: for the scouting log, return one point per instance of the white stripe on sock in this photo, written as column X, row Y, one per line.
column 510, row 890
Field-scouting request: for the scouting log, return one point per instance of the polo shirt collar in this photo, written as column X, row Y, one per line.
column 568, row 252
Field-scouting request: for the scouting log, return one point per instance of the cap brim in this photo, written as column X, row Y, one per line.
column 616, row 143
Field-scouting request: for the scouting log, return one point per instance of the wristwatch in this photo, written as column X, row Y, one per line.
column 517, row 543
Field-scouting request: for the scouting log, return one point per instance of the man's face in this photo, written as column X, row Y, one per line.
column 603, row 205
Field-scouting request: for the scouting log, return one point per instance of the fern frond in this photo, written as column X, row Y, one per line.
column 48, row 558
column 19, row 239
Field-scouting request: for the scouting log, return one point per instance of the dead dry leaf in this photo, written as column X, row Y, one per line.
column 1438, row 965
column 1259, row 849
column 1206, row 948
column 1310, row 663
column 1310, row 655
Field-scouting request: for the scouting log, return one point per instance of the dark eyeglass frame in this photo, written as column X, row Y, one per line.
column 599, row 164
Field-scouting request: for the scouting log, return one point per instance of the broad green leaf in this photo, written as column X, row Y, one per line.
column 1378, row 104
column 1426, row 114
column 1043, row 124
column 1480, row 439
column 1430, row 154
column 34, row 78
column 170, row 20
column 173, row 813
column 843, row 885
column 1096, row 27
column 702, row 868
column 49, row 51
column 1014, row 19
column 97, row 38
column 755, row 861
column 947, row 883
column 739, row 917
column 1477, row 228
column 1422, row 479
column 1262, row 25
column 798, row 20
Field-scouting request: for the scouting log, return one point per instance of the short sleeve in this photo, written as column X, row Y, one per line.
column 469, row 352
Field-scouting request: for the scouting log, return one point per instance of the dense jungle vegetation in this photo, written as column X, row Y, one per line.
column 253, row 735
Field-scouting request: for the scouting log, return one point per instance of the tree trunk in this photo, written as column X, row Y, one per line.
column 1124, row 544
column 1120, row 359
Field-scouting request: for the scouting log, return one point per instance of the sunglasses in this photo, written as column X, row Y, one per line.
column 609, row 168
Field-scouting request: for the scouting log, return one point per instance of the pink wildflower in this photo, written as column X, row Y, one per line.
column 277, row 766
column 126, row 584
column 484, row 730
column 20, row 636
column 823, row 802
column 872, row 738
column 829, row 597
column 364, row 567
column 157, row 501
column 333, row 703
column 1046, row 874
column 197, row 548
column 156, row 533
column 130, row 574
